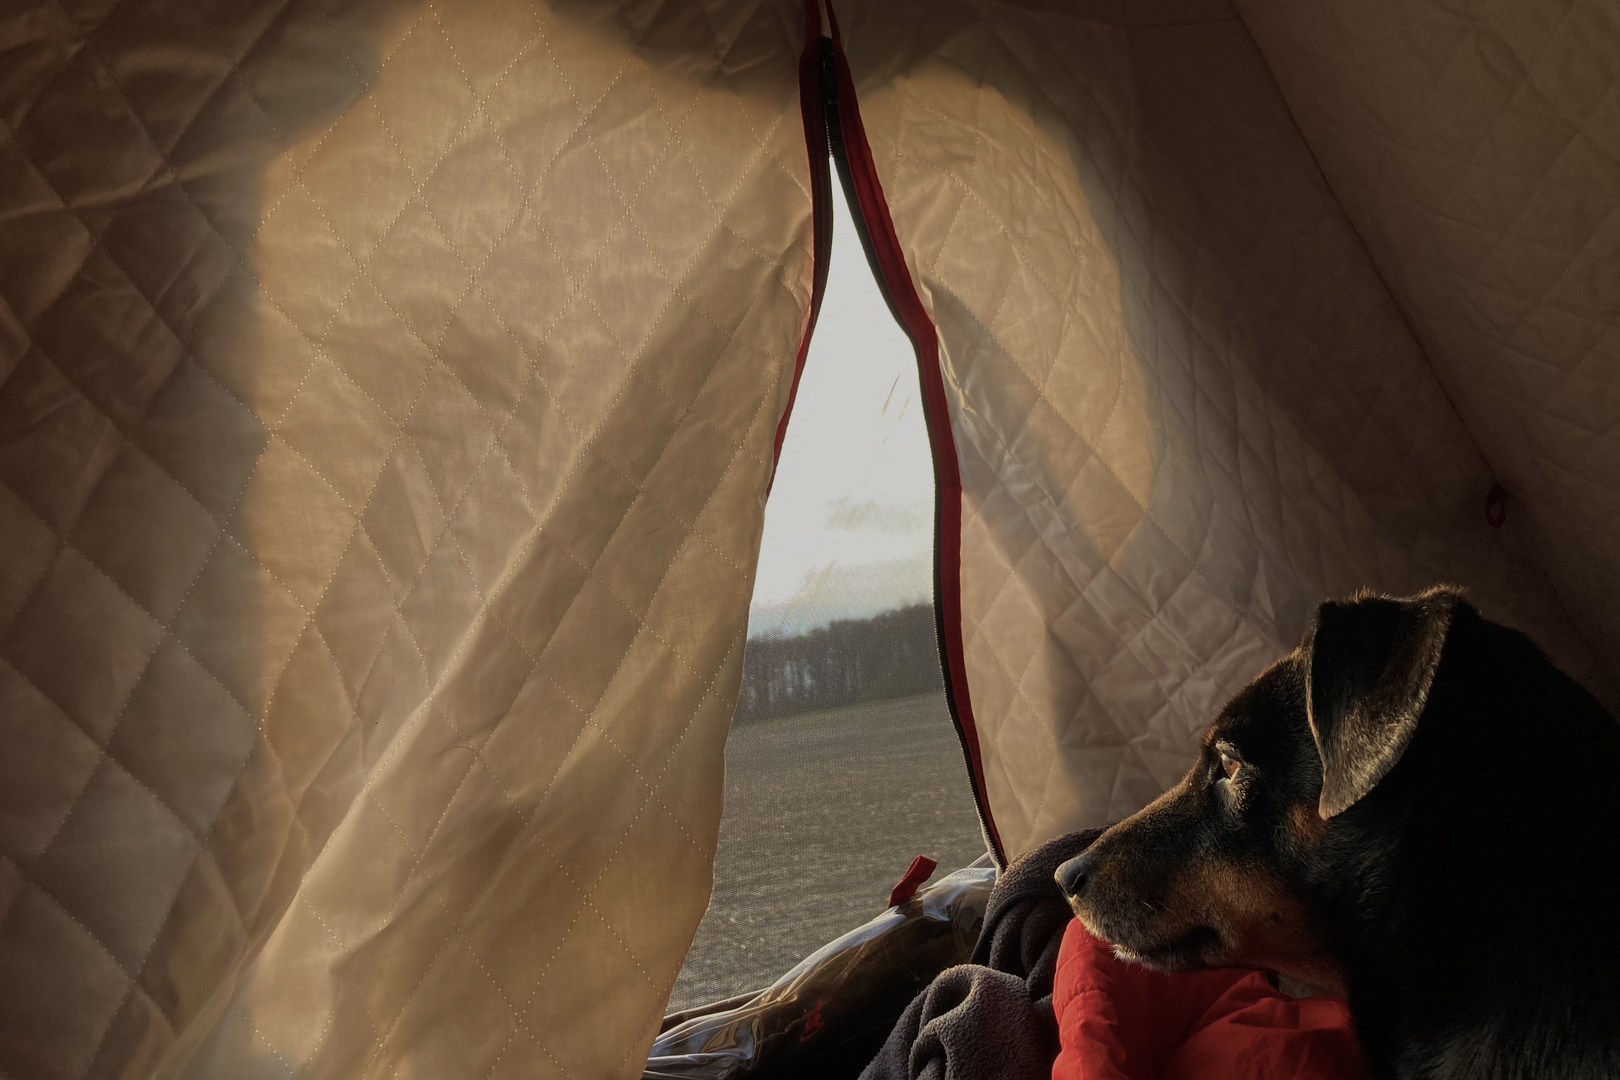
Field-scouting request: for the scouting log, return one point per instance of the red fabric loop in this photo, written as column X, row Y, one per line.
column 917, row 873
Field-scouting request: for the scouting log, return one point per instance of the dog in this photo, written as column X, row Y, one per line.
column 1414, row 808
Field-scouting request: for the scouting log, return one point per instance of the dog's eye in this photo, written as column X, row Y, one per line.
column 1230, row 765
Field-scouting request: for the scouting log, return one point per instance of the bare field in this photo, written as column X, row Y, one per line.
column 824, row 812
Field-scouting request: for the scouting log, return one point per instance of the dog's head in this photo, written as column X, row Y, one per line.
column 1215, row 871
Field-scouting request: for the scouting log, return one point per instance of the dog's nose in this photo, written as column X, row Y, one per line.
column 1074, row 875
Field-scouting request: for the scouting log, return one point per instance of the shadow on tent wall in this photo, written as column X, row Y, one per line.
column 155, row 373
column 341, row 330
column 1205, row 396
column 224, row 526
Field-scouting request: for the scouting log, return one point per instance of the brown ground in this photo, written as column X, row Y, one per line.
column 823, row 814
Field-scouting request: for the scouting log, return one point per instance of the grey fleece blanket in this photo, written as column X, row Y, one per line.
column 992, row 1019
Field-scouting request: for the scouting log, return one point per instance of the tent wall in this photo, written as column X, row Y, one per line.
column 388, row 392
column 1187, row 405
column 387, row 410
column 1476, row 149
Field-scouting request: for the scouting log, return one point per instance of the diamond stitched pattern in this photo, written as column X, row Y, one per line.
column 1184, row 398
column 1476, row 155
column 398, row 391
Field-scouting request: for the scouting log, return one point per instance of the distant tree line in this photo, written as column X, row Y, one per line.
column 893, row 654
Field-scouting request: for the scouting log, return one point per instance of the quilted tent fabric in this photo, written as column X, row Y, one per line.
column 1476, row 149
column 388, row 399
column 1186, row 403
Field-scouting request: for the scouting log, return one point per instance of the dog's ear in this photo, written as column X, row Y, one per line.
column 1371, row 662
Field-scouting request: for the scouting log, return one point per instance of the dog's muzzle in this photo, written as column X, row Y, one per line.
column 1075, row 875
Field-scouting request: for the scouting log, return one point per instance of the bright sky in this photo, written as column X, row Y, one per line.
column 849, row 526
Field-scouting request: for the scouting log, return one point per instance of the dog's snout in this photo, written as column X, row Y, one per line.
column 1074, row 875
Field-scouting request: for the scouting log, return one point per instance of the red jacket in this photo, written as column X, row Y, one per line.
column 1120, row 1021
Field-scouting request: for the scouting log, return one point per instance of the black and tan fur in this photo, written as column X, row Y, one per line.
column 1416, row 808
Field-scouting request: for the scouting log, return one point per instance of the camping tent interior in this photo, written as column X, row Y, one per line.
column 389, row 393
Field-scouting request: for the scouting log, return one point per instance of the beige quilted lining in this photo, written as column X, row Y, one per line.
column 387, row 392
column 387, row 411
column 1186, row 405
column 1476, row 148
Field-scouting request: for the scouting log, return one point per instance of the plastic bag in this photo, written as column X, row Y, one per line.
column 829, row 1016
